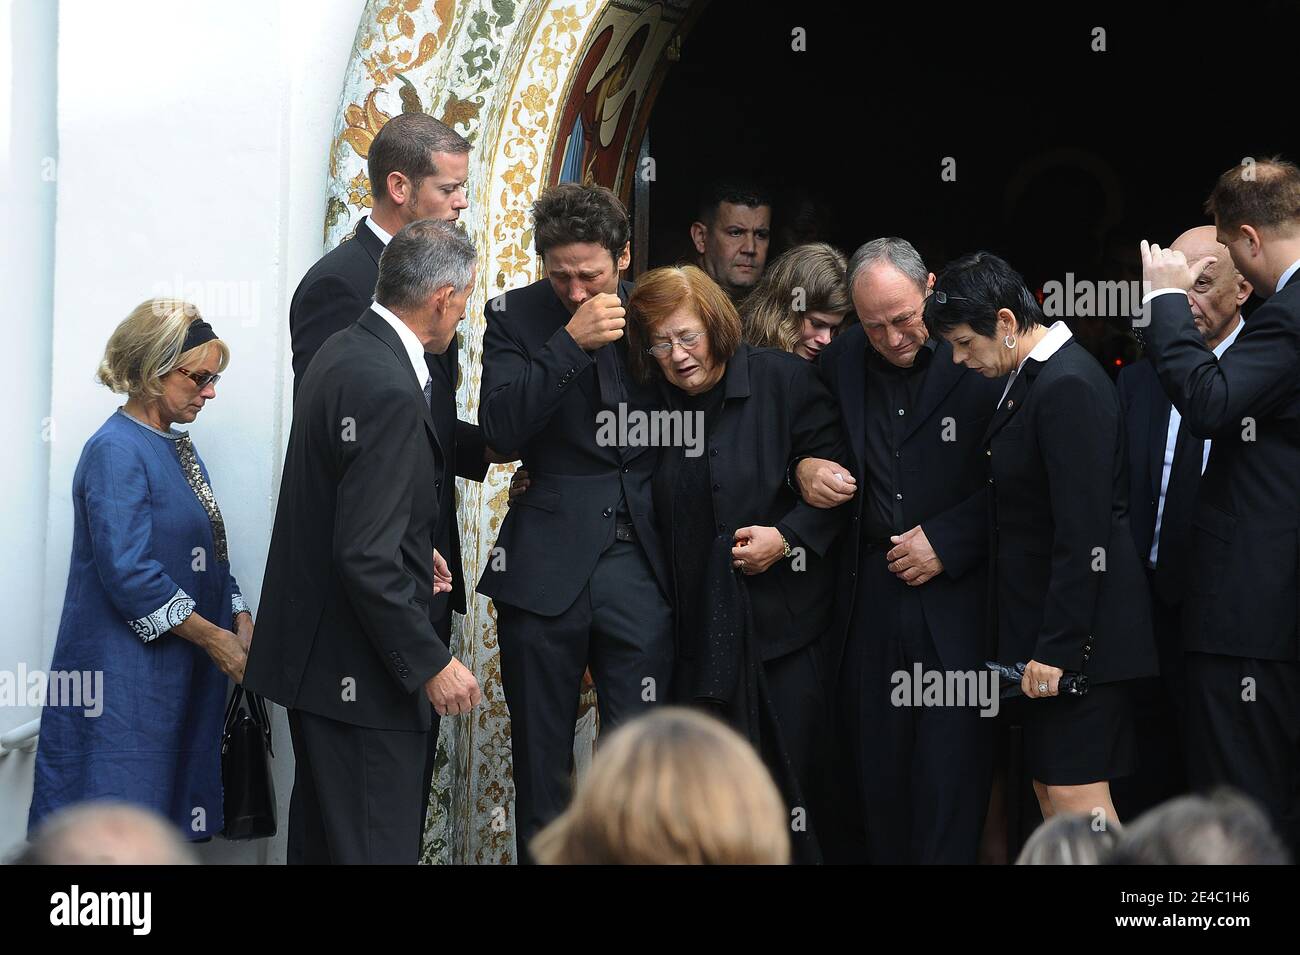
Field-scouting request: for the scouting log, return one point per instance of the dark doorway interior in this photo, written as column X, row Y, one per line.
column 1064, row 157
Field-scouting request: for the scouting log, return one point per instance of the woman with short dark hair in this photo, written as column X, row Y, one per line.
column 1068, row 589
column 151, row 603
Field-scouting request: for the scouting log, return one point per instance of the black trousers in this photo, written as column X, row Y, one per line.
column 1159, row 710
column 356, row 793
column 1243, row 730
column 798, row 698
column 621, row 627
column 922, row 773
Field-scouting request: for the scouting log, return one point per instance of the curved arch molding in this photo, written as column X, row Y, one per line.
column 513, row 77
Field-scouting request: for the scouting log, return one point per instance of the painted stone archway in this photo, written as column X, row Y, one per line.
column 544, row 89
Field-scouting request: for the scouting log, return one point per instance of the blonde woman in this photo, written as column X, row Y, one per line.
column 674, row 787
column 800, row 303
column 151, row 603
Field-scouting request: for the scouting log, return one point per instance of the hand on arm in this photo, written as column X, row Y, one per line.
column 518, row 484
column 756, row 549
column 823, row 483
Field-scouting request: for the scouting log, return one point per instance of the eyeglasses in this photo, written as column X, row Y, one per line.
column 664, row 349
column 943, row 298
column 201, row 380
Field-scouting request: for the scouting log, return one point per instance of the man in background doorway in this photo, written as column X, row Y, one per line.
column 731, row 234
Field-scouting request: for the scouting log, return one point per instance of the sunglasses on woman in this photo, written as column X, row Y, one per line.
column 202, row 380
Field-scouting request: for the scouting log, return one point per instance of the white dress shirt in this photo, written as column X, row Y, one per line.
column 1286, row 276
column 1171, row 439
column 1056, row 336
column 384, row 237
column 414, row 349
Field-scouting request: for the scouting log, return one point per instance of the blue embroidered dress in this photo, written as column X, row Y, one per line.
column 148, row 549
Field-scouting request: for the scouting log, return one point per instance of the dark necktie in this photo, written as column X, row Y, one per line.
column 609, row 377
column 428, row 394
column 1176, row 520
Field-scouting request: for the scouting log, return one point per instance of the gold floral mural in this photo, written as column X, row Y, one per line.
column 500, row 73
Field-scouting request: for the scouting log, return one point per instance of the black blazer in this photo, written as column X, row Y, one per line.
column 943, row 490
column 539, row 399
column 331, row 296
column 1059, row 479
column 345, row 626
column 775, row 408
column 1146, row 422
column 1243, row 592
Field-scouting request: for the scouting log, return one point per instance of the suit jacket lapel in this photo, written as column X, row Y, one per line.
column 853, row 397
column 940, row 378
column 1014, row 400
column 375, row 324
column 366, row 238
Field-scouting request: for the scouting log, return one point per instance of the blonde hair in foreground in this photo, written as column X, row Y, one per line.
column 147, row 344
column 674, row 787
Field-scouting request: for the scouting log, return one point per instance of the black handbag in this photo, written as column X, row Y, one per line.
column 248, row 797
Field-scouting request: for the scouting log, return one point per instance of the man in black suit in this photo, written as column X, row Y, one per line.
column 1240, row 610
column 417, row 168
column 913, row 586
column 577, row 574
column 1165, row 464
column 349, row 643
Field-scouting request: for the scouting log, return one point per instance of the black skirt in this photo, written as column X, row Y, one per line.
column 1075, row 740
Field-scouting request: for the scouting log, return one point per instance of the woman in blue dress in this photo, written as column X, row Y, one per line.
column 151, row 603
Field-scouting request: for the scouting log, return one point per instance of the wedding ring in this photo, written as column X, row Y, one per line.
column 1043, row 688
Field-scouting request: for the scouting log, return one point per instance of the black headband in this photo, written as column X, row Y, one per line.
column 200, row 333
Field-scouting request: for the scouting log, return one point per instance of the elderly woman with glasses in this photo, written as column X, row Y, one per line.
column 749, row 648
column 153, row 623
column 1069, row 596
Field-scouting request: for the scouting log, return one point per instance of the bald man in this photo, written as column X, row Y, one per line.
column 1240, row 622
column 1165, row 467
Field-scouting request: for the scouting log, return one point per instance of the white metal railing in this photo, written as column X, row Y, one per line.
column 21, row 738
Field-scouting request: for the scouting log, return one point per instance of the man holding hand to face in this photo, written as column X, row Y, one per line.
column 1242, row 655
column 1165, row 464
column 578, row 573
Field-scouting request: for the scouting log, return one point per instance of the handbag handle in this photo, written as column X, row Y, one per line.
column 256, row 710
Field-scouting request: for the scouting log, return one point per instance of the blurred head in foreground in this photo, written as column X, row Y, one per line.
column 107, row 833
column 674, row 787
column 1067, row 840
column 1224, row 828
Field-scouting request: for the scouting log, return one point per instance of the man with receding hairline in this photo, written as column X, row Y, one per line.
column 349, row 641
column 912, row 592
column 1240, row 616
column 1165, row 466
